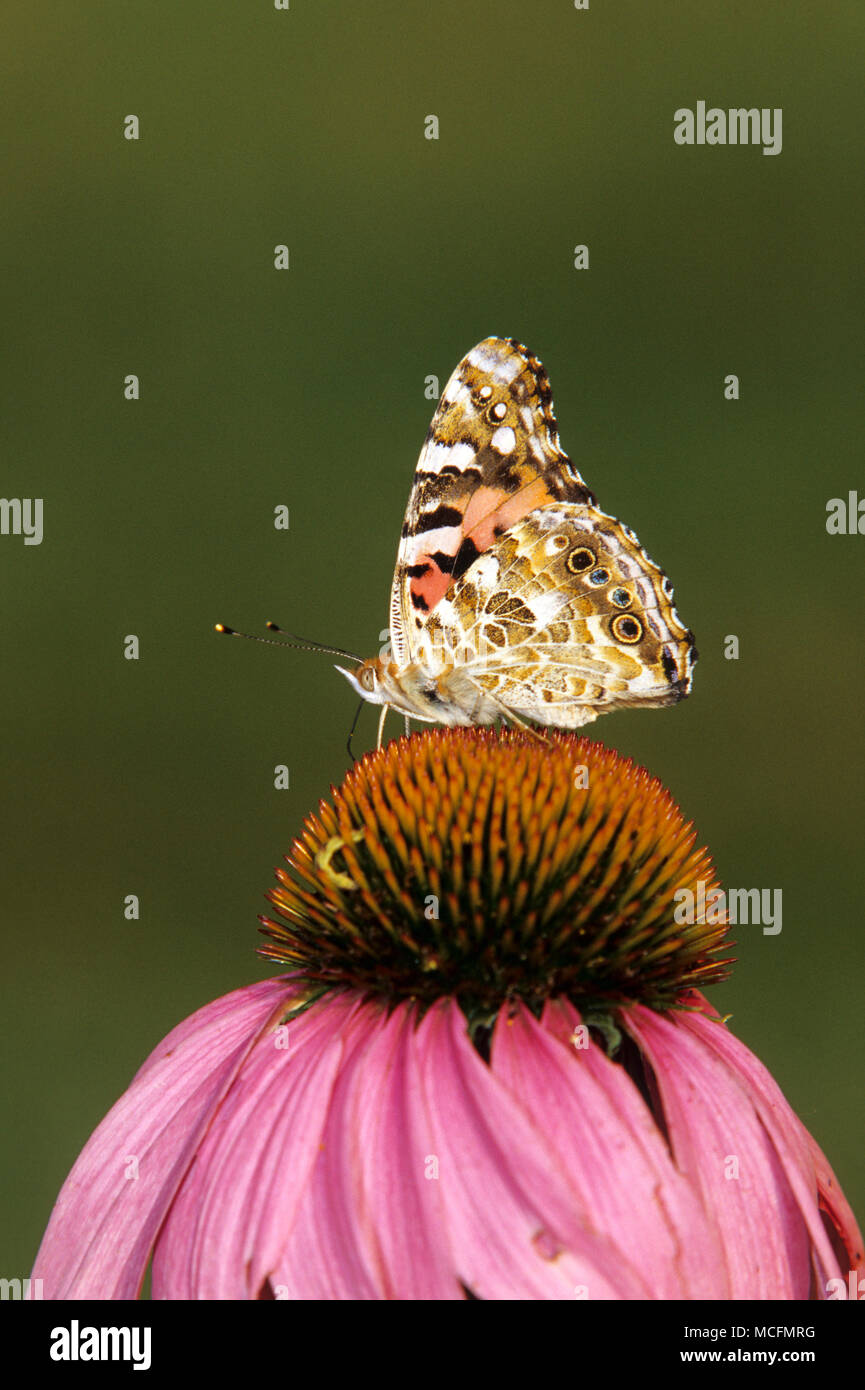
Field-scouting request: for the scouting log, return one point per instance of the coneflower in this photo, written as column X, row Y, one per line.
column 488, row 1073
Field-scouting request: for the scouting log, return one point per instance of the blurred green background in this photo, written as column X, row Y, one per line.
column 306, row 388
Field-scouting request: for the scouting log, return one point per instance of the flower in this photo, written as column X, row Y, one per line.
column 490, row 867
column 488, row 1074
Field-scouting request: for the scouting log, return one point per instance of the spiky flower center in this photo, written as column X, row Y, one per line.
column 490, row 866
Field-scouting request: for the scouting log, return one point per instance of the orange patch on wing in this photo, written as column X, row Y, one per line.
column 432, row 585
column 492, row 508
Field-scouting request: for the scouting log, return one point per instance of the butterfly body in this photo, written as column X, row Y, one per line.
column 515, row 596
column 436, row 693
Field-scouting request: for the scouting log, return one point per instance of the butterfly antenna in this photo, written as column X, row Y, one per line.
column 300, row 643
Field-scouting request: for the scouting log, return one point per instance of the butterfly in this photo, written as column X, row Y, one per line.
column 514, row 596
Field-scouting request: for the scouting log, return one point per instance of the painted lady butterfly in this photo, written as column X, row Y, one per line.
column 514, row 595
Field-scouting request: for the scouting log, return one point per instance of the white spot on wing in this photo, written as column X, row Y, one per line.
column 485, row 569
column 548, row 518
column 445, row 538
column 435, row 456
column 462, row 397
column 500, row 367
column 504, row 440
column 547, row 606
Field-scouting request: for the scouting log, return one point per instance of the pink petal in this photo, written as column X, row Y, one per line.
column 372, row 1225
column 843, row 1229
column 806, row 1168
column 515, row 1221
column 236, row 1207
column 604, row 1134
column 711, row 1119
column 104, row 1223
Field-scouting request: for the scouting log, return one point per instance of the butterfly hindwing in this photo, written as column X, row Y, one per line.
column 564, row 617
column 491, row 457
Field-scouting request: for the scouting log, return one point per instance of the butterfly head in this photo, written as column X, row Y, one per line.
column 367, row 680
column 415, row 690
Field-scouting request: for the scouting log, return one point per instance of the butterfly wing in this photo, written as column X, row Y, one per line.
column 491, row 456
column 564, row 618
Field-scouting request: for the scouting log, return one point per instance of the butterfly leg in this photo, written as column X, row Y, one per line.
column 351, row 732
column 407, row 725
column 527, row 729
column 519, row 723
column 384, row 710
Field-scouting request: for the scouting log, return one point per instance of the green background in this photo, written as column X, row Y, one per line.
column 306, row 388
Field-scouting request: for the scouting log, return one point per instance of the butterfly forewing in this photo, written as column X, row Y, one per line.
column 491, row 456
